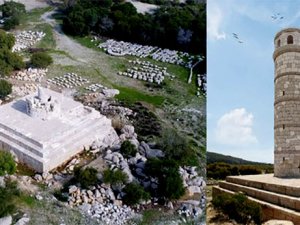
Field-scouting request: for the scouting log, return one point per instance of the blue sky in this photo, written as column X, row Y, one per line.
column 240, row 115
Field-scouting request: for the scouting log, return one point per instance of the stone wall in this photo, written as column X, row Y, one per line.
column 287, row 103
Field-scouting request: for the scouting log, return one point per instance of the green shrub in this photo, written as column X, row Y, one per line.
column 86, row 177
column 7, row 163
column 5, row 88
column 249, row 170
column 170, row 184
column 40, row 60
column 114, row 176
column 134, row 194
column 10, row 8
column 7, row 195
column 9, row 61
column 128, row 149
column 238, row 207
column 7, row 40
column 11, row 22
column 176, row 147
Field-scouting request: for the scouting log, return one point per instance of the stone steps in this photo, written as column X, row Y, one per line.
column 270, row 210
column 20, row 135
column 23, row 155
column 285, row 188
column 72, row 146
column 267, row 196
column 21, row 142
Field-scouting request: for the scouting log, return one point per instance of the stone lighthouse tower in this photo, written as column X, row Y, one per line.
column 287, row 103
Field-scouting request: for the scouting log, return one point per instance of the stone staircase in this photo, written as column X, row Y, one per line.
column 279, row 198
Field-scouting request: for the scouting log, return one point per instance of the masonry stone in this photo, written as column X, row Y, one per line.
column 287, row 103
column 45, row 130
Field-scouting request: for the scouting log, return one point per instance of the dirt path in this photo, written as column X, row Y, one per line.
column 80, row 53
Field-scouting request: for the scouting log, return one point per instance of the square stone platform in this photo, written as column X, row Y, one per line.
column 43, row 143
column 279, row 197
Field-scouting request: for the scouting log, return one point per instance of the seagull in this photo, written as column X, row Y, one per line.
column 281, row 17
column 241, row 42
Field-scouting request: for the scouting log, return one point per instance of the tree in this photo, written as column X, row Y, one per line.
column 128, row 149
column 86, row 177
column 7, row 163
column 7, row 40
column 7, row 195
column 40, row 60
column 170, row 184
column 11, row 8
column 114, row 177
column 5, row 89
column 134, row 193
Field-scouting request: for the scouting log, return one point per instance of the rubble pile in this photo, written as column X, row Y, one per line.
column 144, row 70
column 121, row 48
column 26, row 39
column 30, row 74
column 69, row 80
column 201, row 83
column 24, row 89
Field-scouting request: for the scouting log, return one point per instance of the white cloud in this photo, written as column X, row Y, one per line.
column 214, row 19
column 235, row 128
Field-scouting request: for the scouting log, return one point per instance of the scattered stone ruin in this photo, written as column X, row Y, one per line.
column 26, row 39
column 121, row 48
column 287, row 106
column 47, row 129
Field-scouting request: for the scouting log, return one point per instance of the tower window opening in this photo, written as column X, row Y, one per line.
column 283, row 126
column 283, row 93
column 278, row 43
column 290, row 39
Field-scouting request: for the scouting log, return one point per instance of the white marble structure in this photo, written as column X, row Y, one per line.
column 46, row 130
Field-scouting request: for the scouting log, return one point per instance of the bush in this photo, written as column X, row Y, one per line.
column 249, row 170
column 7, row 195
column 128, row 149
column 40, row 60
column 238, row 207
column 86, row 177
column 7, row 40
column 5, row 88
column 7, row 163
column 11, row 22
column 114, row 177
column 134, row 194
column 10, row 8
column 170, row 183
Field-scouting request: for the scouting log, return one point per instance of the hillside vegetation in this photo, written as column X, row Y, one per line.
column 220, row 166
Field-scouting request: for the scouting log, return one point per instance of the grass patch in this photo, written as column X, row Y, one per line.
column 24, row 170
column 130, row 95
column 34, row 15
column 48, row 41
column 149, row 216
column 27, row 200
column 86, row 41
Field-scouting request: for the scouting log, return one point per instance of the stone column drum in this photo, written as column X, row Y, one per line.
column 287, row 103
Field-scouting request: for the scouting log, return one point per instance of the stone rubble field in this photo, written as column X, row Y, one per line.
column 26, row 39
column 146, row 71
column 25, row 89
column 121, row 48
column 31, row 74
column 69, row 80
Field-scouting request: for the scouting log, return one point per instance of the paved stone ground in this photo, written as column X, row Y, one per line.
column 270, row 179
